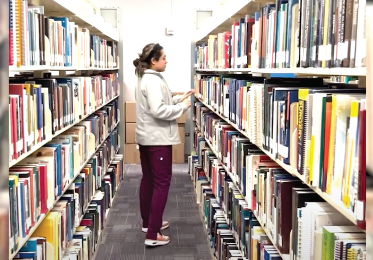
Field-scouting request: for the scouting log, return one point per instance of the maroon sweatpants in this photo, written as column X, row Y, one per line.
column 156, row 164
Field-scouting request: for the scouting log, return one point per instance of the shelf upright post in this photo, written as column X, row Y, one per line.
column 4, row 129
column 114, row 16
column 369, row 129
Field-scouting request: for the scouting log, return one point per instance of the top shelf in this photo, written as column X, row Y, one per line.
column 221, row 21
column 78, row 12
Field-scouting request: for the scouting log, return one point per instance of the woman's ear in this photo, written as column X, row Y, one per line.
column 152, row 61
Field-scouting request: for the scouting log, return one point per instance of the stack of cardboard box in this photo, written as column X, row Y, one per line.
column 178, row 150
column 131, row 154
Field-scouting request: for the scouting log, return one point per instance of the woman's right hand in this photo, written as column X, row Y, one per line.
column 188, row 94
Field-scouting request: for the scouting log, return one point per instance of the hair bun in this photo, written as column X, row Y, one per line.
column 141, row 57
column 136, row 62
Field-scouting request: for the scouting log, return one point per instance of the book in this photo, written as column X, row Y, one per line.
column 37, row 39
column 258, row 160
column 290, row 34
column 42, row 108
column 42, row 182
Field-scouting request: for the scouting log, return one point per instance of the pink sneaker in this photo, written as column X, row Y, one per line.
column 165, row 224
column 161, row 241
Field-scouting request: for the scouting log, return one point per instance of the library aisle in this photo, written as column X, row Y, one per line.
column 122, row 237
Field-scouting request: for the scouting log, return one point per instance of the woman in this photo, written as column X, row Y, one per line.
column 156, row 132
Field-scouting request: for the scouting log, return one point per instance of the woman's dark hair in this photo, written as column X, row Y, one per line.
column 149, row 52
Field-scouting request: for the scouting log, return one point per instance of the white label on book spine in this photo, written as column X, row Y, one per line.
column 11, row 242
column 19, row 145
column 303, row 54
column 328, row 52
column 313, row 55
column 359, row 210
column 283, row 150
column 342, row 50
column 321, row 54
column 363, row 51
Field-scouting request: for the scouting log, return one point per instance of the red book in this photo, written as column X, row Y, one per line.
column 13, row 116
column 226, row 37
column 18, row 89
column 249, row 38
column 361, row 199
column 328, row 115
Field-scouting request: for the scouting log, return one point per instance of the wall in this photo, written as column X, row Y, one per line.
column 145, row 21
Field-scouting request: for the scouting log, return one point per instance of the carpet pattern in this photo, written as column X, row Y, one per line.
column 122, row 238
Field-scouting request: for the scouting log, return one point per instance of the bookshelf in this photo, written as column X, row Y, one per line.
column 283, row 256
column 255, row 43
column 83, row 13
column 337, row 205
column 59, row 132
column 64, row 116
column 296, row 71
column 4, row 158
column 221, row 19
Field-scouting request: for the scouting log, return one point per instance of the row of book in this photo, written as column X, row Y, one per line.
column 39, row 181
column 289, row 34
column 317, row 130
column 269, row 212
column 73, row 227
column 37, row 39
column 232, row 230
column 40, row 107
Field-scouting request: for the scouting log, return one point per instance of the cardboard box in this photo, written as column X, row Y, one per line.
column 130, row 133
column 182, row 132
column 183, row 118
column 131, row 154
column 130, row 111
column 178, row 156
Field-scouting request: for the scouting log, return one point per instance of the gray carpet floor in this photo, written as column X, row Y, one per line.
column 122, row 238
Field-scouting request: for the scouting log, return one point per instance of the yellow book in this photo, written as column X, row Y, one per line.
column 343, row 111
column 49, row 229
column 331, row 145
column 256, row 232
column 350, row 156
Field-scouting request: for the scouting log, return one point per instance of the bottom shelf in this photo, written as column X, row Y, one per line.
column 226, row 231
column 79, row 216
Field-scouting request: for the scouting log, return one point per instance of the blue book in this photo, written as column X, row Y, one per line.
column 23, row 215
column 30, row 245
column 68, row 139
column 58, row 166
column 26, row 255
